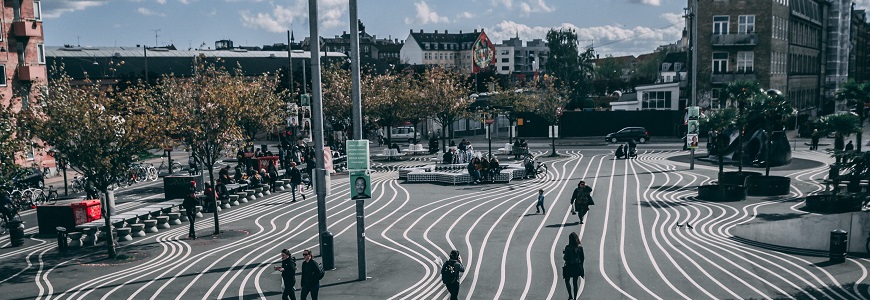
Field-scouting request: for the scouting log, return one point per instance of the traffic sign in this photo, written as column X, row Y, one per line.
column 358, row 155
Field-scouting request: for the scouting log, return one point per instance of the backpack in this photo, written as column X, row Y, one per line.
column 448, row 273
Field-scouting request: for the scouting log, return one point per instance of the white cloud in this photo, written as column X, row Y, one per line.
column 862, row 4
column 674, row 18
column 506, row 3
column 331, row 13
column 464, row 15
column 161, row 1
column 608, row 39
column 147, row 12
column 648, row 2
column 426, row 15
column 54, row 9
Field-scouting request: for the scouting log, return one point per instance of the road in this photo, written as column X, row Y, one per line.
column 633, row 248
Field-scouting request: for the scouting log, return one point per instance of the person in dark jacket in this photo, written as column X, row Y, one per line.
column 310, row 276
column 295, row 181
column 222, row 191
column 573, row 268
column 273, row 176
column 190, row 203
column 453, row 287
column 288, row 274
column 239, row 176
column 814, row 138
column 581, row 199
column 210, row 197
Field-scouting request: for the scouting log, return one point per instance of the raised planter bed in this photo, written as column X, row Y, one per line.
column 832, row 203
column 736, row 177
column 722, row 193
column 767, row 185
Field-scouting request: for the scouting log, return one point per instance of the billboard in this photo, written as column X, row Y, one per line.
column 482, row 53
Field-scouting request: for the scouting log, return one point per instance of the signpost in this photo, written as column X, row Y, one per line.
column 692, row 132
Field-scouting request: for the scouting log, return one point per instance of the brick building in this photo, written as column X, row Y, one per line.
column 22, row 61
column 778, row 43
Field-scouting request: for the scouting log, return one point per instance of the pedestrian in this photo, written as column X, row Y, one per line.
column 850, row 146
column 540, row 206
column 312, row 272
column 288, row 274
column 573, row 268
column 295, row 181
column 273, row 176
column 190, row 203
column 221, row 190
column 451, row 272
column 210, row 197
column 91, row 190
column 815, row 139
column 581, row 199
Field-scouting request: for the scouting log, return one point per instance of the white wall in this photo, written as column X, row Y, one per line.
column 411, row 51
column 809, row 231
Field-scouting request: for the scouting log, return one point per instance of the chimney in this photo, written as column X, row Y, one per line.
column 445, row 31
column 344, row 33
column 410, row 30
column 460, row 32
column 436, row 31
column 475, row 31
column 421, row 30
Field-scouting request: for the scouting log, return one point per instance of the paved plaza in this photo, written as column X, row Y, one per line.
column 633, row 248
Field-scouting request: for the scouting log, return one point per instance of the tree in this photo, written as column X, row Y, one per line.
column 510, row 102
column 842, row 125
column 99, row 129
column 571, row 67
column 14, row 140
column 205, row 111
column 548, row 100
column 740, row 93
column 448, row 94
column 719, row 121
column 262, row 105
column 769, row 112
column 857, row 95
column 336, row 94
column 387, row 97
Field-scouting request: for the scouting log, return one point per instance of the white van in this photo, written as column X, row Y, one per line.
column 405, row 133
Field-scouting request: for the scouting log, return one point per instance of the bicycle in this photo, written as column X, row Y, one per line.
column 78, row 184
column 151, row 172
column 163, row 166
column 46, row 197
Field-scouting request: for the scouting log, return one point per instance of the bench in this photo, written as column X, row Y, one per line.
column 456, row 173
column 390, row 154
column 416, row 149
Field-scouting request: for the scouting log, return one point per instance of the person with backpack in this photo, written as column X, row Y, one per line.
column 295, row 181
column 190, row 203
column 288, row 274
column 312, row 273
column 451, row 271
column 573, row 268
column 581, row 199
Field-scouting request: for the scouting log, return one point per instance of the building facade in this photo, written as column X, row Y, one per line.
column 466, row 52
column 859, row 57
column 779, row 43
column 512, row 56
column 22, row 62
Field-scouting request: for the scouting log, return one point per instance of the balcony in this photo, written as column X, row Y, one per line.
column 734, row 39
column 28, row 28
column 31, row 73
column 729, row 77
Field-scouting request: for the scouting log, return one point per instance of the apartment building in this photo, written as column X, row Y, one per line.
column 468, row 52
column 513, row 55
column 779, row 43
column 22, row 60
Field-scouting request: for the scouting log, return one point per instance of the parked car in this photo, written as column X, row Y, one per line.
column 405, row 133
column 29, row 177
column 638, row 134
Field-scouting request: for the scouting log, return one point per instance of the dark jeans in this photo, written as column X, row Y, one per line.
column 191, row 217
column 289, row 292
column 310, row 289
column 581, row 212
column 453, row 289
column 540, row 206
column 293, row 188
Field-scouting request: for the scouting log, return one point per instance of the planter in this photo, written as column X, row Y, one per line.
column 834, row 171
column 767, row 185
column 833, row 203
column 722, row 193
column 735, row 178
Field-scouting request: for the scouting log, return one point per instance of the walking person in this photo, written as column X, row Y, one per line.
column 295, row 181
column 581, row 199
column 573, row 268
column 273, row 176
column 540, row 206
column 451, row 271
column 312, row 272
column 288, row 275
column 190, row 203
column 814, row 138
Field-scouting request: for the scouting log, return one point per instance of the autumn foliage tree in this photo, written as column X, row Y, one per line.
column 99, row 129
column 447, row 92
column 547, row 101
column 13, row 142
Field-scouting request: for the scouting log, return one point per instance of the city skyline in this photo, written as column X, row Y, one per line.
column 612, row 25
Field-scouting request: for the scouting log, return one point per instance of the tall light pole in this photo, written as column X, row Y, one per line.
column 356, row 108
column 694, row 47
column 320, row 175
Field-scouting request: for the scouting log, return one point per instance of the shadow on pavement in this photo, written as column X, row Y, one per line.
column 563, row 225
column 827, row 292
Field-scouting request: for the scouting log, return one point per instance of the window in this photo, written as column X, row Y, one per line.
column 720, row 24
column 40, row 52
column 505, row 52
column 666, row 66
column 746, row 24
column 37, row 11
column 505, row 59
column 2, row 75
column 505, row 68
column 656, row 100
column 745, row 61
column 720, row 62
column 678, row 67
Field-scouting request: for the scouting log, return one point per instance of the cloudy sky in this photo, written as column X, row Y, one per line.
column 617, row 27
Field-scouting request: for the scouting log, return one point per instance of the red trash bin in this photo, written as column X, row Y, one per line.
column 86, row 211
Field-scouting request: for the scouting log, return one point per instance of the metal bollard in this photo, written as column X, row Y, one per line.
column 839, row 240
column 16, row 233
column 61, row 239
column 327, row 250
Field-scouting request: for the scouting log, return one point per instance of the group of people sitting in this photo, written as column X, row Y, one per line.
column 459, row 154
column 627, row 151
column 521, row 147
column 483, row 169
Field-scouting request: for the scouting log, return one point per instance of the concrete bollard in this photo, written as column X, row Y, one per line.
column 150, row 226
column 234, row 200
column 267, row 190
column 136, row 230
column 259, row 192
column 225, row 203
column 248, row 197
column 90, row 236
column 174, row 218
column 163, row 222
column 75, row 239
column 199, row 211
column 124, row 234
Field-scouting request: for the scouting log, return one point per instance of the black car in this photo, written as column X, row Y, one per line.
column 638, row 134
column 29, row 178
